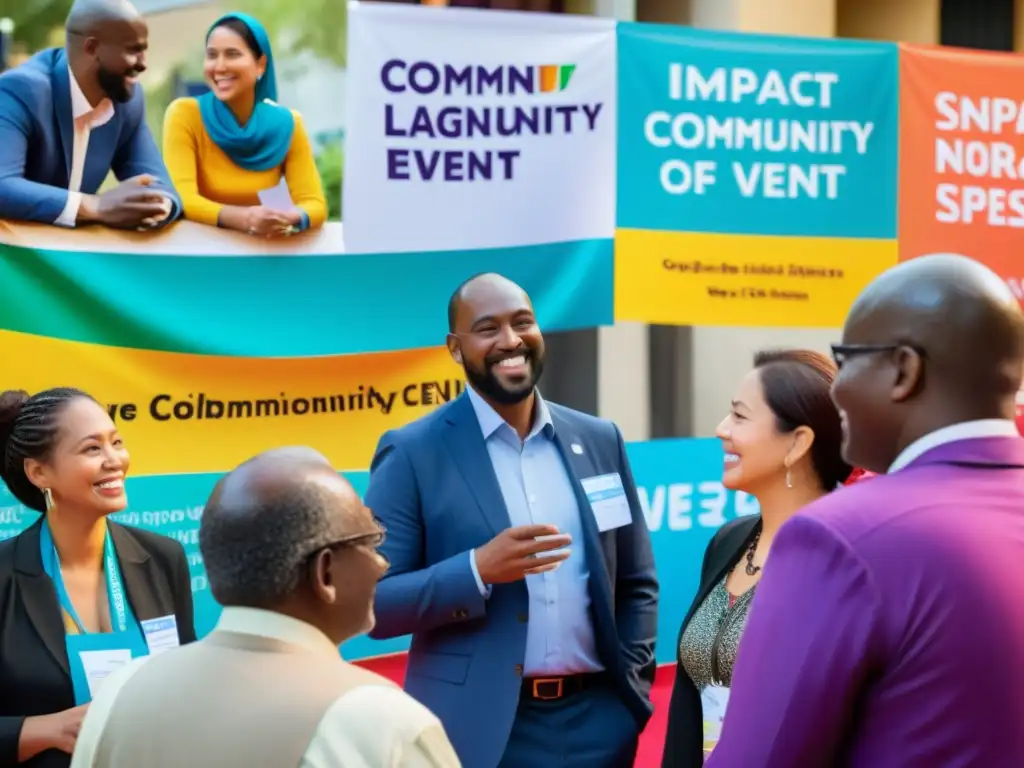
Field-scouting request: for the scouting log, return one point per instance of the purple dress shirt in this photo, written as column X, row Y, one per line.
column 888, row 628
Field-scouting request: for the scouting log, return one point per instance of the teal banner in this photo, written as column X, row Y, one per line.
column 754, row 134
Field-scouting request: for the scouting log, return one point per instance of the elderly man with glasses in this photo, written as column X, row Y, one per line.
column 291, row 554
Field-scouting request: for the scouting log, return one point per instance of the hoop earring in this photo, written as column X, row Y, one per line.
column 48, row 498
column 789, row 479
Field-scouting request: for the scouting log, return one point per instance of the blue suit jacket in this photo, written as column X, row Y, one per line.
column 433, row 487
column 37, row 138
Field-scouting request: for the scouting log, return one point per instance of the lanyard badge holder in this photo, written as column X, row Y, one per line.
column 714, row 698
column 93, row 657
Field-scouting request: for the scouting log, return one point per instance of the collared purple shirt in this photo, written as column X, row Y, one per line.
column 888, row 628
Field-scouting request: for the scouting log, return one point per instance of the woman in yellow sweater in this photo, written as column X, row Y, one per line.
column 225, row 147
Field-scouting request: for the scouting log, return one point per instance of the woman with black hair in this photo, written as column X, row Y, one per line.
column 79, row 596
column 229, row 148
column 782, row 441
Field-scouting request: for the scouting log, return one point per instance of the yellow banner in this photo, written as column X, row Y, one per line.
column 691, row 278
column 182, row 413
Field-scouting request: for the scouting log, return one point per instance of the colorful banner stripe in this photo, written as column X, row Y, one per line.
column 275, row 305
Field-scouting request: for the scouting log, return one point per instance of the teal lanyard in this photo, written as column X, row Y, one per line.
column 115, row 587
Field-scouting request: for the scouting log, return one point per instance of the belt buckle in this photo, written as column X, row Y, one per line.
column 559, row 688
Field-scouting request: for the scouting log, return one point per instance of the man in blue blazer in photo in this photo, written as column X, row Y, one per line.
column 520, row 557
column 69, row 116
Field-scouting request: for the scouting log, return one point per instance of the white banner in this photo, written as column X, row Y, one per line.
column 508, row 115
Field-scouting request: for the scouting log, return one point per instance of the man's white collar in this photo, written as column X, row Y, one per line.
column 967, row 430
column 80, row 106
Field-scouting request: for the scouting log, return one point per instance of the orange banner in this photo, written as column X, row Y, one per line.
column 962, row 157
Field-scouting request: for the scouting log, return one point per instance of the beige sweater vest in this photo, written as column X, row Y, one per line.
column 227, row 701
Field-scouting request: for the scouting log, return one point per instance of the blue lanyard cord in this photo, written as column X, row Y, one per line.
column 115, row 587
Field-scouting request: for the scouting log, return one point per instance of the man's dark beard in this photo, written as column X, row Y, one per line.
column 114, row 85
column 488, row 385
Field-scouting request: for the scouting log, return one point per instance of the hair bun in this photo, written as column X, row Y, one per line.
column 11, row 402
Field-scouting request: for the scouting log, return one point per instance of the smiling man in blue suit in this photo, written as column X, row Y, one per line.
column 68, row 117
column 520, row 557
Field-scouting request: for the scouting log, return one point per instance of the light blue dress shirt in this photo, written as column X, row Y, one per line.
column 538, row 490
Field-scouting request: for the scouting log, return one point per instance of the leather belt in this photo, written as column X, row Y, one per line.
column 555, row 688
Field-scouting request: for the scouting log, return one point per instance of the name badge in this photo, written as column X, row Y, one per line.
column 99, row 665
column 607, row 498
column 713, row 701
column 161, row 634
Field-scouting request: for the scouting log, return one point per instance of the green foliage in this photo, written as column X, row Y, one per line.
column 329, row 162
column 35, row 20
column 158, row 98
column 317, row 26
column 160, row 94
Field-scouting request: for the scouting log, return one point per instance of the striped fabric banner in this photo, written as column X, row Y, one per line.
column 200, row 290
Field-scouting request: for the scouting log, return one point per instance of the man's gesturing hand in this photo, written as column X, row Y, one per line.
column 516, row 552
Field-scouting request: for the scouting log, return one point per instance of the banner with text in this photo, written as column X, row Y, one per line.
column 962, row 157
column 679, row 482
column 202, row 413
column 486, row 134
column 757, row 176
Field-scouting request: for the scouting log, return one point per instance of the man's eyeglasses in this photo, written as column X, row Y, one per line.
column 843, row 352
column 372, row 539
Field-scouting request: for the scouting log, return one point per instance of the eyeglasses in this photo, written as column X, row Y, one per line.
column 842, row 352
column 372, row 539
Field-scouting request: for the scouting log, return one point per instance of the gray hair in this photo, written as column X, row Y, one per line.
column 254, row 554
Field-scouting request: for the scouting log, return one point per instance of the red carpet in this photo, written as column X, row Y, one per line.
column 649, row 754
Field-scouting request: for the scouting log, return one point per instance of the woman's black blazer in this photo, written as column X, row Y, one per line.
column 684, row 739
column 34, row 673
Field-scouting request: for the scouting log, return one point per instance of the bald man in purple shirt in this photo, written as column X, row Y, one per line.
column 888, row 627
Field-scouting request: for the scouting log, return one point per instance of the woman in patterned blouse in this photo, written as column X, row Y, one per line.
column 782, row 440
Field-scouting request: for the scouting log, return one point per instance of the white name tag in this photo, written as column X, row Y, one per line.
column 713, row 701
column 161, row 634
column 277, row 198
column 99, row 665
column 608, row 499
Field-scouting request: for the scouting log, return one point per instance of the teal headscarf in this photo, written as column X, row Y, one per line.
column 263, row 142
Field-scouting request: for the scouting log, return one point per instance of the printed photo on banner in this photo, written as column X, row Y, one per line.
column 757, row 176
column 962, row 157
column 478, row 129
